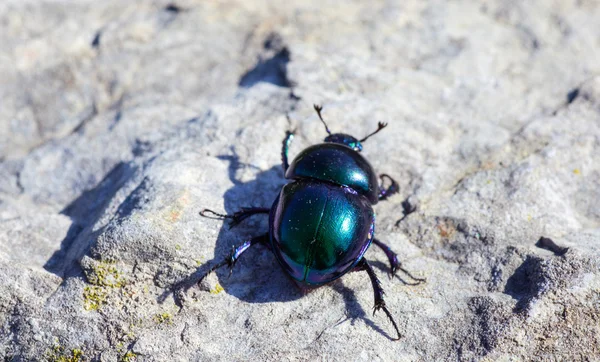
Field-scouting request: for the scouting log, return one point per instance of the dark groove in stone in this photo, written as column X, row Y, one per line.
column 550, row 245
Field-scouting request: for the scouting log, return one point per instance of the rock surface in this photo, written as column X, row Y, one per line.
column 120, row 121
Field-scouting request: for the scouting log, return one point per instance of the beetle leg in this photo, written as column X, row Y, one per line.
column 235, row 254
column 287, row 141
column 378, row 293
column 238, row 216
column 392, row 189
column 395, row 264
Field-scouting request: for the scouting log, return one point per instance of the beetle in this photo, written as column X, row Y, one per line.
column 322, row 222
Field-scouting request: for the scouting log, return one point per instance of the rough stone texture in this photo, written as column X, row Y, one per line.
column 120, row 121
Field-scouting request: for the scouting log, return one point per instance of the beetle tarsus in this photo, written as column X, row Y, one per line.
column 235, row 254
column 238, row 216
column 209, row 211
column 378, row 295
column 385, row 193
column 396, row 265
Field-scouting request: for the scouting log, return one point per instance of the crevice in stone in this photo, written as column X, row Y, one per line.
column 173, row 8
column 169, row 13
column 141, row 147
column 271, row 66
column 118, row 108
column 550, row 245
column 96, row 41
column 572, row 95
column 93, row 111
column 527, row 283
column 18, row 182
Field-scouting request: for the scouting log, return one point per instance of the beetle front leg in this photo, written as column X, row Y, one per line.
column 378, row 294
column 238, row 216
column 390, row 190
column 235, row 254
column 287, row 141
column 395, row 264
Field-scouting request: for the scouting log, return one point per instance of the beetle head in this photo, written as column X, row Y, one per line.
column 345, row 139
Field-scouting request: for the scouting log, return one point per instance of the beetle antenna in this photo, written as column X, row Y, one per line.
column 319, row 109
column 380, row 126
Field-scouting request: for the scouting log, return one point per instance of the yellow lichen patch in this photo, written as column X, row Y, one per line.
column 59, row 354
column 218, row 289
column 177, row 247
column 105, row 274
column 128, row 357
column 577, row 171
column 93, row 297
column 163, row 318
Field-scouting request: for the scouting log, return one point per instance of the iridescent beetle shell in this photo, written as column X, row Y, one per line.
column 322, row 223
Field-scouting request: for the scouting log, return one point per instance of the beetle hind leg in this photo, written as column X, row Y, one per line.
column 378, row 294
column 235, row 254
column 237, row 217
column 396, row 265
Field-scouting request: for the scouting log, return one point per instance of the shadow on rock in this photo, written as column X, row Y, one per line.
column 527, row 283
column 85, row 212
column 353, row 309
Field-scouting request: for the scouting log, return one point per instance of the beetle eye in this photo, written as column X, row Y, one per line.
column 356, row 146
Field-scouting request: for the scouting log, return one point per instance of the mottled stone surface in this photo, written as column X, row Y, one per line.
column 120, row 121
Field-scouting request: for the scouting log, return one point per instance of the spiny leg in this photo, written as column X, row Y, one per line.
column 287, row 141
column 392, row 189
column 395, row 264
column 378, row 294
column 237, row 216
column 235, row 254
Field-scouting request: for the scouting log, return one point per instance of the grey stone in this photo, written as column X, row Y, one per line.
column 120, row 121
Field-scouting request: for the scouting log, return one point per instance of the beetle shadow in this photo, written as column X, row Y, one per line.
column 257, row 276
column 354, row 310
column 385, row 269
